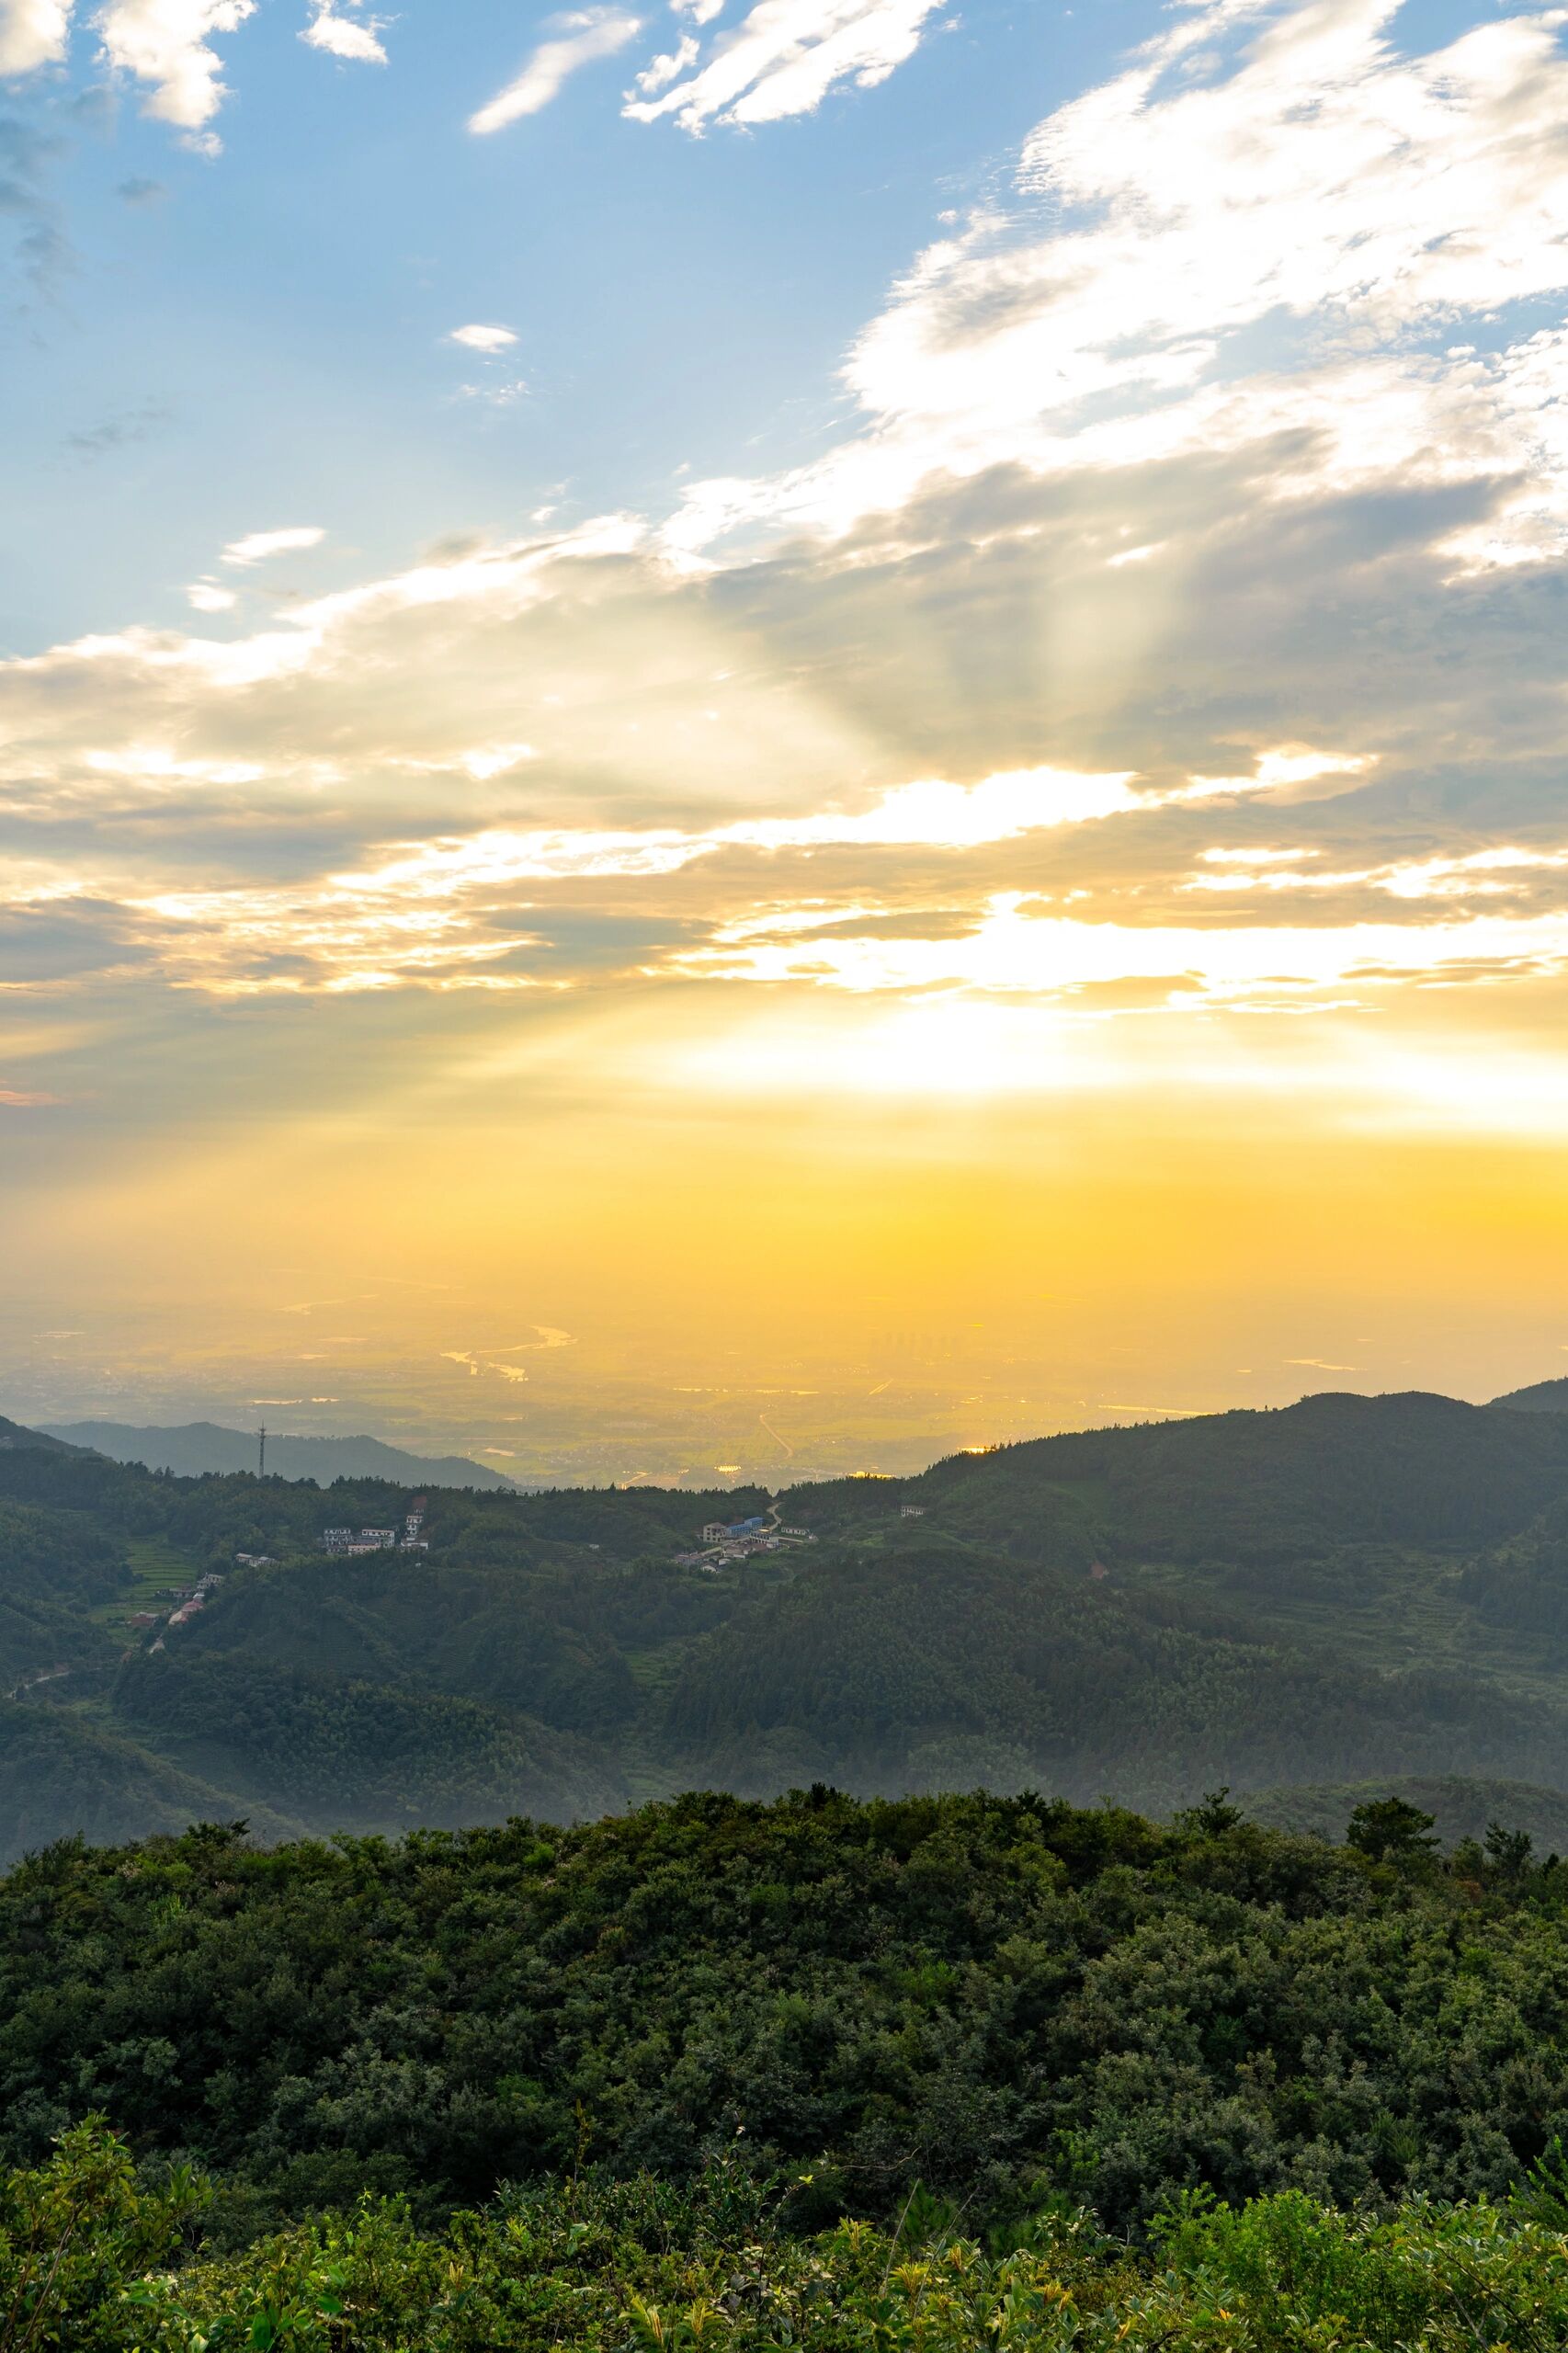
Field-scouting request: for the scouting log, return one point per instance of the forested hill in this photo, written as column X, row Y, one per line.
column 918, row 2076
column 1334, row 1468
column 1541, row 1397
column 997, row 1999
column 1327, row 1596
column 13, row 1436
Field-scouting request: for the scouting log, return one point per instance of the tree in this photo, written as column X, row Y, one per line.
column 1212, row 1817
column 1387, row 1830
column 75, row 2235
column 1508, row 1851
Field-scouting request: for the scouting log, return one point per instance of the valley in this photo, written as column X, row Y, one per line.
column 1313, row 1597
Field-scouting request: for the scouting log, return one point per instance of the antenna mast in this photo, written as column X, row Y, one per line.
column 261, row 1466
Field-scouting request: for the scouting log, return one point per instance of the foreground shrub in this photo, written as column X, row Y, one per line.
column 96, row 2260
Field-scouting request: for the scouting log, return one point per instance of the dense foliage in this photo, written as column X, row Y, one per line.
column 1354, row 1588
column 93, row 2260
column 997, row 1998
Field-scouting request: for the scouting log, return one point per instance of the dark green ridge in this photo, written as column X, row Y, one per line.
column 1000, row 1999
column 1345, row 1592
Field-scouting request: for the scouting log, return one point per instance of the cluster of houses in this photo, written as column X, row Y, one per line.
column 737, row 1540
column 355, row 1542
column 188, row 1604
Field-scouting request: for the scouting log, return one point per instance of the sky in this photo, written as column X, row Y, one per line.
column 860, row 700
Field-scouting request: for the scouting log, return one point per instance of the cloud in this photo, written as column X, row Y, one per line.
column 141, row 191
column 1486, row 873
column 1272, row 226
column 257, row 546
column 480, row 338
column 1168, row 509
column 1014, row 950
column 118, row 432
column 782, row 59
column 498, row 393
column 165, row 44
column 209, row 597
column 42, row 249
column 580, row 40
column 664, row 70
column 32, row 33
column 345, row 36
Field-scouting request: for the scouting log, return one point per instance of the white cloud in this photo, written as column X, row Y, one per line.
column 664, row 70
column 1012, row 951
column 209, row 597
column 497, row 393
column 487, row 760
column 445, row 912
column 932, row 812
column 481, row 338
column 345, row 36
column 1291, row 772
column 257, row 546
column 194, row 769
column 32, row 33
column 164, row 43
column 783, row 60
column 581, row 38
column 1477, row 875
column 1255, row 232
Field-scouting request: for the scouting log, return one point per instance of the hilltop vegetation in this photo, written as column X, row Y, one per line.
column 1541, row 1397
column 999, row 1999
column 1460, row 1809
column 1346, row 1591
column 104, row 2264
column 896, row 2078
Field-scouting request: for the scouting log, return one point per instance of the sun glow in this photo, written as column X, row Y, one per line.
column 946, row 1047
column 1090, row 799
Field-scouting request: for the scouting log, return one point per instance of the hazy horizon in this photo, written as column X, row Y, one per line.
column 600, row 1424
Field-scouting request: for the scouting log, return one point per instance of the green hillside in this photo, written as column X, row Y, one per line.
column 342, row 1754
column 999, row 2000
column 13, row 1435
column 113, row 2262
column 60, row 1765
column 1262, row 1487
column 1541, row 1397
column 1343, row 1592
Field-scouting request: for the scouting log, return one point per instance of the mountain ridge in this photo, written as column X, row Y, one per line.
column 1337, row 1592
column 19, row 1435
column 192, row 1449
column 1539, row 1397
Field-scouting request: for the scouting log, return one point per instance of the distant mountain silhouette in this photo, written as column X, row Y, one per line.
column 193, row 1448
column 13, row 1435
column 1541, row 1397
